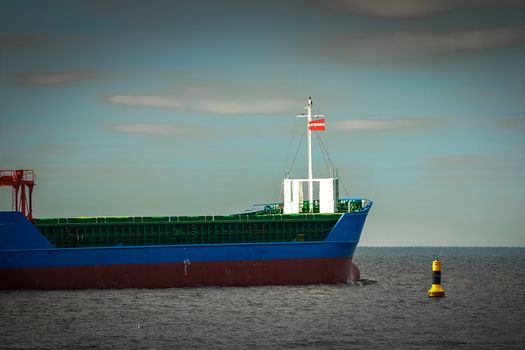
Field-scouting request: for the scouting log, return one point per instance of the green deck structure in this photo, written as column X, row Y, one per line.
column 266, row 225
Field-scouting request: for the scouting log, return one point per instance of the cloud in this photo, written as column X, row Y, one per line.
column 21, row 41
column 62, row 77
column 457, row 159
column 411, row 8
column 406, row 45
column 512, row 123
column 47, row 41
column 53, row 148
column 160, row 129
column 210, row 100
column 376, row 124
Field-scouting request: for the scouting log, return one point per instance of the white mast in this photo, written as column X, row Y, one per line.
column 310, row 172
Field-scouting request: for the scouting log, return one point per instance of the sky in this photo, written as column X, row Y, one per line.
column 189, row 108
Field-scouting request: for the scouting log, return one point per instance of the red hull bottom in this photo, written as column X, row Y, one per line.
column 169, row 275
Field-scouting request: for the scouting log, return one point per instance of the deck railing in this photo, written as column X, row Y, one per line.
column 343, row 205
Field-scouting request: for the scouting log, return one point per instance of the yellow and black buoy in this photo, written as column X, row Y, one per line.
column 436, row 290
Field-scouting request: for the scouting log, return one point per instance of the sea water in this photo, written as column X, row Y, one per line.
column 484, row 307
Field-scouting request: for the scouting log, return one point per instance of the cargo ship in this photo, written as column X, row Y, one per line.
column 302, row 240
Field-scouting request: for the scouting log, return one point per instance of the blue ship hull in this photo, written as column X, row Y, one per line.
column 29, row 261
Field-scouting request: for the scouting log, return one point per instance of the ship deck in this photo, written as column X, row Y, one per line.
column 132, row 231
column 264, row 225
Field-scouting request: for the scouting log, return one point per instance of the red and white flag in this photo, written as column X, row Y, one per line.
column 316, row 125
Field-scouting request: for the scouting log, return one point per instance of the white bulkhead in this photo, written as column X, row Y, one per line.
column 294, row 194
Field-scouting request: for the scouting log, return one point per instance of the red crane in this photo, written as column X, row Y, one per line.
column 20, row 180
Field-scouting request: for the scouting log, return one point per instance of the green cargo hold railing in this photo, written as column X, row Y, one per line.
column 267, row 225
column 131, row 231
